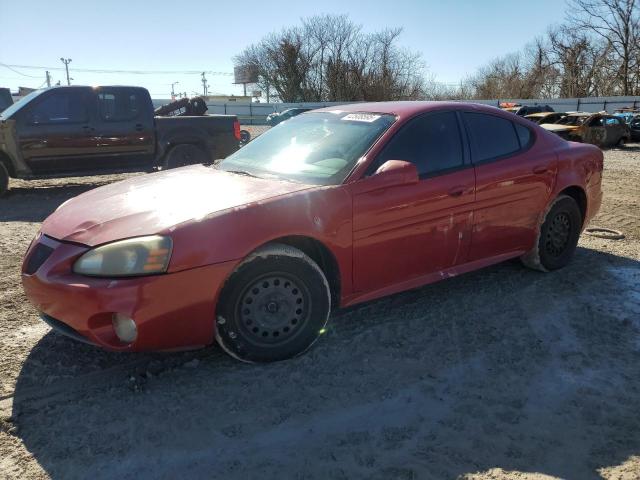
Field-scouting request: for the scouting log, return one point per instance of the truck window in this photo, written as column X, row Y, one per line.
column 59, row 107
column 118, row 105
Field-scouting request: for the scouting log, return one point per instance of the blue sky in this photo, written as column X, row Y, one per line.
column 454, row 37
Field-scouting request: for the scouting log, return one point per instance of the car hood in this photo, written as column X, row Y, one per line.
column 553, row 127
column 154, row 203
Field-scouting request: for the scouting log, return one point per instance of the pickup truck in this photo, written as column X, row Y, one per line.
column 76, row 130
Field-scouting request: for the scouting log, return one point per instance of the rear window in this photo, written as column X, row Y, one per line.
column 492, row 137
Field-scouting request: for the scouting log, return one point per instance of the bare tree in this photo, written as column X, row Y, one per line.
column 617, row 22
column 329, row 58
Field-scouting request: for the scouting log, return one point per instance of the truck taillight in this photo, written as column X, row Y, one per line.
column 236, row 129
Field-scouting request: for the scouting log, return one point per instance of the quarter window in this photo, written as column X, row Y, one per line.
column 60, row 107
column 492, row 136
column 432, row 143
column 524, row 135
column 118, row 105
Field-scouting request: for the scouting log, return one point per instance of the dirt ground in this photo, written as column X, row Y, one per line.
column 503, row 373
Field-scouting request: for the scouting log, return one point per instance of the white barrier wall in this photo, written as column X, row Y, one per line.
column 256, row 113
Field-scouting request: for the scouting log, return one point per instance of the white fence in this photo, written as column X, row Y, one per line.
column 256, row 113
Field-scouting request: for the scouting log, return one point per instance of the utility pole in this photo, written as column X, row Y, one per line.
column 173, row 93
column 48, row 78
column 66, row 62
column 205, row 86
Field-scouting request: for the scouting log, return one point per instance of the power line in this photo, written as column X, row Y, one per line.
column 16, row 71
column 104, row 70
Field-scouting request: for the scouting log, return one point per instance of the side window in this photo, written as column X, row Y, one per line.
column 118, row 105
column 492, row 136
column 60, row 107
column 431, row 142
column 524, row 135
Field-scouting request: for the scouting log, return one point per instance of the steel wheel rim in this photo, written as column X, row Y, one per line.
column 273, row 309
column 558, row 234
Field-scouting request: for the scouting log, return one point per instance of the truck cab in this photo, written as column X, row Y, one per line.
column 81, row 130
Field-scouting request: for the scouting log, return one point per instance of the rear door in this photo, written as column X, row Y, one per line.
column 405, row 232
column 514, row 180
column 124, row 127
column 55, row 132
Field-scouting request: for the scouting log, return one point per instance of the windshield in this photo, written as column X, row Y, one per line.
column 318, row 148
column 5, row 114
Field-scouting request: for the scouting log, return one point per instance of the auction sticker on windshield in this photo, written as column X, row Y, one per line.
column 361, row 117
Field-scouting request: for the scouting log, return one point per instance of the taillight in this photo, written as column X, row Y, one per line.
column 236, row 129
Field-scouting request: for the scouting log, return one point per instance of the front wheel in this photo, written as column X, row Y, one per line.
column 558, row 236
column 274, row 306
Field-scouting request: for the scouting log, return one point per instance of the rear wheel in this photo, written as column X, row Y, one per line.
column 558, row 238
column 183, row 155
column 274, row 306
column 4, row 179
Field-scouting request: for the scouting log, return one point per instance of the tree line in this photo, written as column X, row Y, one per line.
column 594, row 52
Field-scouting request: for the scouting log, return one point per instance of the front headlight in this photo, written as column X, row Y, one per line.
column 127, row 258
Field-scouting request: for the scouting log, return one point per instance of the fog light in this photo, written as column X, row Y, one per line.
column 125, row 327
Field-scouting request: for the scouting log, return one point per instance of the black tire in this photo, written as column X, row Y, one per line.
column 558, row 236
column 4, row 179
column 184, row 154
column 245, row 136
column 274, row 306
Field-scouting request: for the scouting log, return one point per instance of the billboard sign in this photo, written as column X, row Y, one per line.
column 245, row 74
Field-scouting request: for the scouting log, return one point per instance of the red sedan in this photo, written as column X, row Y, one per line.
column 332, row 208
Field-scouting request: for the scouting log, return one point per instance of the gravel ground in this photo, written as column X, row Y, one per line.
column 503, row 373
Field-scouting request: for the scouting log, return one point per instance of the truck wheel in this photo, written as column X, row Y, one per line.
column 274, row 306
column 558, row 237
column 4, row 179
column 184, row 154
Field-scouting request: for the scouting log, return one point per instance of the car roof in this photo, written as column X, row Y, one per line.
column 57, row 87
column 406, row 109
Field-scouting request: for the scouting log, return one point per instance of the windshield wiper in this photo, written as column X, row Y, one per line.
column 242, row 172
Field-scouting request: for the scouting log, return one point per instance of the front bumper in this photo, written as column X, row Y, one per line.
column 173, row 311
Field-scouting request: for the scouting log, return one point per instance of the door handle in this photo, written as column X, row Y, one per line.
column 456, row 191
column 88, row 129
column 540, row 170
column 139, row 127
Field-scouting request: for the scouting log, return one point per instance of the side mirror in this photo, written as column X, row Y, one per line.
column 393, row 173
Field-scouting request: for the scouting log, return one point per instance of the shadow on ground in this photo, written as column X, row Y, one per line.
column 34, row 204
column 35, row 200
column 503, row 367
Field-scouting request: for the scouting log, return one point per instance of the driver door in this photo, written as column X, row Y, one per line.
column 55, row 133
column 404, row 232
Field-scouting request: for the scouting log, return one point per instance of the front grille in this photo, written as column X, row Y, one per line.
column 37, row 257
